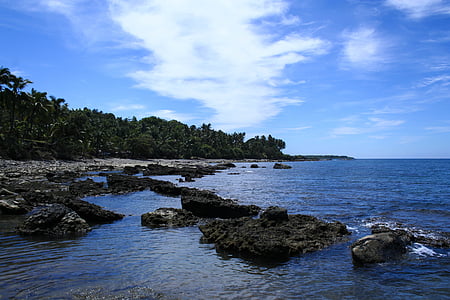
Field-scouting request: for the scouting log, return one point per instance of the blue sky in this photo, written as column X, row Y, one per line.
column 368, row 78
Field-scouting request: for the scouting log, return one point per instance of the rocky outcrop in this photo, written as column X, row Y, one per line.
column 88, row 211
column 118, row 183
column 380, row 247
column 273, row 236
column 281, row 166
column 62, row 176
column 12, row 203
column 209, row 205
column 87, row 187
column 132, row 170
column 54, row 220
column 169, row 217
column 189, row 172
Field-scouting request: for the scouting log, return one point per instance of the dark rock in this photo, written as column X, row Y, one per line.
column 87, row 187
column 88, row 211
column 91, row 212
column 275, row 213
column 380, row 247
column 165, row 188
column 13, row 205
column 209, row 205
column 129, row 170
column 125, row 184
column 254, row 166
column 169, row 217
column 281, row 166
column 190, row 171
column 55, row 220
column 226, row 165
column 426, row 237
column 118, row 183
column 63, row 176
column 272, row 239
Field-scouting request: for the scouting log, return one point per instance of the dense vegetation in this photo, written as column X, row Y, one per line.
column 35, row 125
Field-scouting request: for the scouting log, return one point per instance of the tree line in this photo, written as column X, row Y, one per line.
column 34, row 125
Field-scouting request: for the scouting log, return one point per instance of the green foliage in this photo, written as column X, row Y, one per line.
column 33, row 125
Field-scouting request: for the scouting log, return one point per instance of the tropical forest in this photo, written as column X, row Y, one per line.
column 35, row 125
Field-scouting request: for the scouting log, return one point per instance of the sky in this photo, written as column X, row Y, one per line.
column 367, row 78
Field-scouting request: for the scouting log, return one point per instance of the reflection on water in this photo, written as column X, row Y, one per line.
column 124, row 260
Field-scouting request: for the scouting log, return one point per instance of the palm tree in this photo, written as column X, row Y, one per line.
column 16, row 85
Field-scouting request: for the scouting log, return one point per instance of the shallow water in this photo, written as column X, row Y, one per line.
column 126, row 260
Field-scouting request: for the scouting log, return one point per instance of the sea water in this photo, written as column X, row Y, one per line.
column 124, row 260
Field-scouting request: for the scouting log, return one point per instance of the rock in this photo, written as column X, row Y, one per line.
column 169, row 217
column 87, row 187
column 165, row 188
column 380, row 247
column 129, row 170
column 63, row 176
column 118, row 183
column 55, row 220
column 88, row 211
column 272, row 239
column 254, row 166
column 91, row 212
column 185, row 171
column 209, row 205
column 275, row 213
column 281, row 166
column 14, row 205
column 226, row 165
column 426, row 237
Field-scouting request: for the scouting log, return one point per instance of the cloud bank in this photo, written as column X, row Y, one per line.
column 217, row 52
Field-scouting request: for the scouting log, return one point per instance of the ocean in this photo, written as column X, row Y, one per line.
column 125, row 260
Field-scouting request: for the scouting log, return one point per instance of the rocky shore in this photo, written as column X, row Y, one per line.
column 50, row 194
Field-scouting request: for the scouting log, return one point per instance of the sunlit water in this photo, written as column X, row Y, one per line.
column 127, row 260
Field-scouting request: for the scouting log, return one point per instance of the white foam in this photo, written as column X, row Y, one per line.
column 424, row 251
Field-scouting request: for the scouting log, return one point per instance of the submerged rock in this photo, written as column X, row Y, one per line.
column 272, row 236
column 55, row 220
column 169, row 217
column 380, row 247
column 208, row 205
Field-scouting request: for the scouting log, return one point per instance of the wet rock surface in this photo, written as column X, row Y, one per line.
column 206, row 204
column 90, row 212
column 281, row 166
column 169, row 217
column 272, row 238
column 87, row 187
column 380, row 247
column 53, row 220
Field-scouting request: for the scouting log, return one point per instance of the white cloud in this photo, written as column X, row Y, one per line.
column 364, row 49
column 171, row 115
column 299, row 128
column 417, row 9
column 130, row 107
column 369, row 126
column 442, row 79
column 439, row 129
column 378, row 123
column 214, row 52
column 345, row 130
